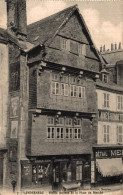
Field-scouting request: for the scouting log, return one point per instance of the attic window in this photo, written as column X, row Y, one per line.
column 105, row 78
column 81, row 49
column 105, row 75
column 65, row 44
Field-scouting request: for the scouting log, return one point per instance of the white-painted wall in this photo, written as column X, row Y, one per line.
column 113, row 132
column 3, row 92
column 100, row 99
column 113, row 125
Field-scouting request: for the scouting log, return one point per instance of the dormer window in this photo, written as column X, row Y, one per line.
column 65, row 44
column 105, row 78
column 105, row 75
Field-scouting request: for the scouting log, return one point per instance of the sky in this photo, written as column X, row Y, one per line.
column 104, row 18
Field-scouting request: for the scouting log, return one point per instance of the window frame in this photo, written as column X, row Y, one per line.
column 61, row 132
column 53, row 88
column 66, row 91
column 76, row 134
column 50, row 133
column 105, row 78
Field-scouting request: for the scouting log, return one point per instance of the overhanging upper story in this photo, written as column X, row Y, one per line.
column 63, row 67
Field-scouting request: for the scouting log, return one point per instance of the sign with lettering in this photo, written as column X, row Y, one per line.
column 106, row 153
column 26, row 174
column 92, row 172
column 110, row 116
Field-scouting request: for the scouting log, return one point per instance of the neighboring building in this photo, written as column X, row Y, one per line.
column 114, row 61
column 114, row 54
column 4, row 85
column 108, row 152
column 13, row 96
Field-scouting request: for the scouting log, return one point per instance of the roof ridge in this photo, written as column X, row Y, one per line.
column 43, row 19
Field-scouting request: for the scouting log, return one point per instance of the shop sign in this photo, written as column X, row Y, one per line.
column 106, row 153
column 110, row 116
column 92, row 172
column 42, row 161
column 26, row 169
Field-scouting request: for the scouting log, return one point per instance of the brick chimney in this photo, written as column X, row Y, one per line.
column 115, row 46
column 112, row 46
column 16, row 18
column 119, row 45
column 101, row 49
column 104, row 48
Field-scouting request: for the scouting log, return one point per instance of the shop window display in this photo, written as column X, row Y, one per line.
column 41, row 174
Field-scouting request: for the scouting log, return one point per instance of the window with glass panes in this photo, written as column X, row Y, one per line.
column 105, row 78
column 59, row 133
column 77, row 129
column 55, row 88
column 64, row 128
column 106, row 133
column 120, row 134
column 120, row 102
column 51, row 133
column 64, row 89
column 77, row 91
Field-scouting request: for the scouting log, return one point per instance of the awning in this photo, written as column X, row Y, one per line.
column 110, row 167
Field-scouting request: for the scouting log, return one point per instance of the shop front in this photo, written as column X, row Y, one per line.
column 108, row 165
column 56, row 173
column 2, row 163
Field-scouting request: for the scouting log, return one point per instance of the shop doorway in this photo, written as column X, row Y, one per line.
column 71, row 171
column 1, row 172
column 86, row 172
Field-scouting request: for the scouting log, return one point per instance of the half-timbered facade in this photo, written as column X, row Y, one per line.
column 62, row 101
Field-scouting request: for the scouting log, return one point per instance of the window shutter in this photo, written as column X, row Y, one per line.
column 68, row 45
column 108, row 133
column 84, row 49
column 83, row 91
column 117, row 133
column 121, row 102
column 104, row 99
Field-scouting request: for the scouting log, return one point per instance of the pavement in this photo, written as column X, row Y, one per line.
column 115, row 189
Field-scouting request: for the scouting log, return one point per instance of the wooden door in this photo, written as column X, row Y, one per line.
column 86, row 172
column 1, row 172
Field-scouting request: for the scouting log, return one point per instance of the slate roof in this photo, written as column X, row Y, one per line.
column 46, row 28
column 119, row 62
column 109, row 87
column 42, row 32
